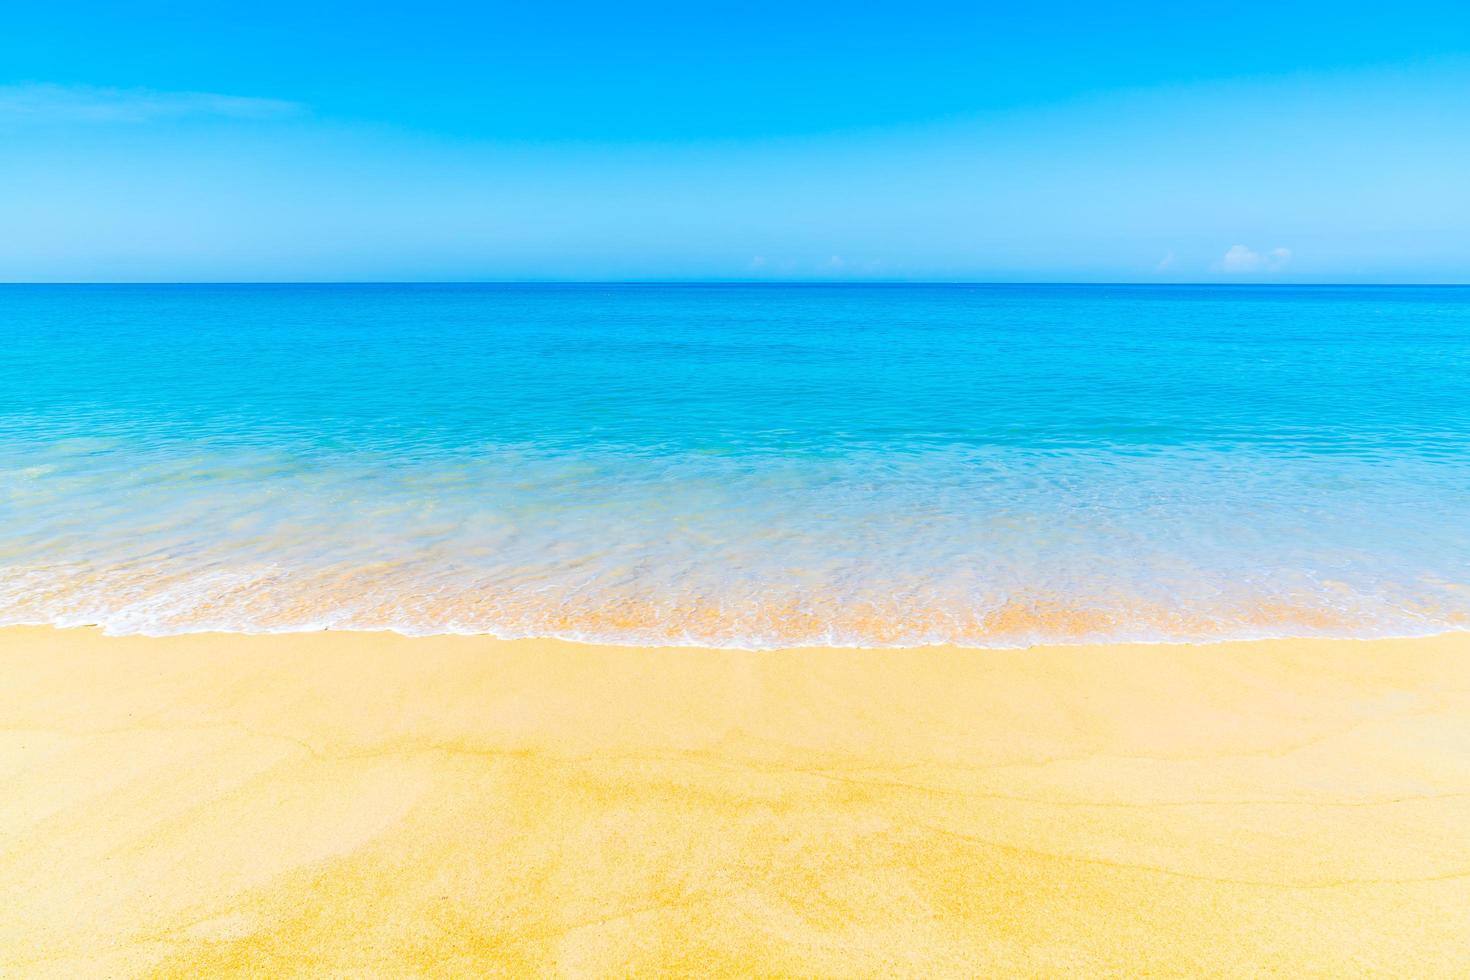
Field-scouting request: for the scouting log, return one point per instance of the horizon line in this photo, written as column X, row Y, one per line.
column 718, row 282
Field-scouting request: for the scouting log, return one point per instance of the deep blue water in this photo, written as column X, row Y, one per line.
column 738, row 465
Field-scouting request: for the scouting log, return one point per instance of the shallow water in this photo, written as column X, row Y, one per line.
column 738, row 465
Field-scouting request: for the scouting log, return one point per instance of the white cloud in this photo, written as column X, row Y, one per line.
column 45, row 103
column 1242, row 259
column 1166, row 263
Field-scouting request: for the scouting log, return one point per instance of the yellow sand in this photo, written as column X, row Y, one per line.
column 369, row 805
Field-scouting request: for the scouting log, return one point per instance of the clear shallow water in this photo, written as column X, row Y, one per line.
column 733, row 465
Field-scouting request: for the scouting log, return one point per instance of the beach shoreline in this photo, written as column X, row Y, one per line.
column 374, row 804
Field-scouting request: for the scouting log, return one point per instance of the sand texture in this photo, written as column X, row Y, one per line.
column 366, row 805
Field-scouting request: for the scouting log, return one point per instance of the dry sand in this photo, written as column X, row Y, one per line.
column 350, row 804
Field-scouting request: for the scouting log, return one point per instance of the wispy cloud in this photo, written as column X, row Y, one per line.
column 49, row 104
column 1242, row 259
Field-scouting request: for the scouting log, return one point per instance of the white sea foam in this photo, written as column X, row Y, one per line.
column 992, row 550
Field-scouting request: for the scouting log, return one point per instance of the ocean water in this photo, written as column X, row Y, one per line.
column 732, row 465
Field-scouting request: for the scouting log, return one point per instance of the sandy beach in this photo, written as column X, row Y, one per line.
column 359, row 804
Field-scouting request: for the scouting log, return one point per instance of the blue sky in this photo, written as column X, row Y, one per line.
column 1077, row 142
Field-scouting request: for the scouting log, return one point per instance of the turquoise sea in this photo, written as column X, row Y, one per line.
column 738, row 465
